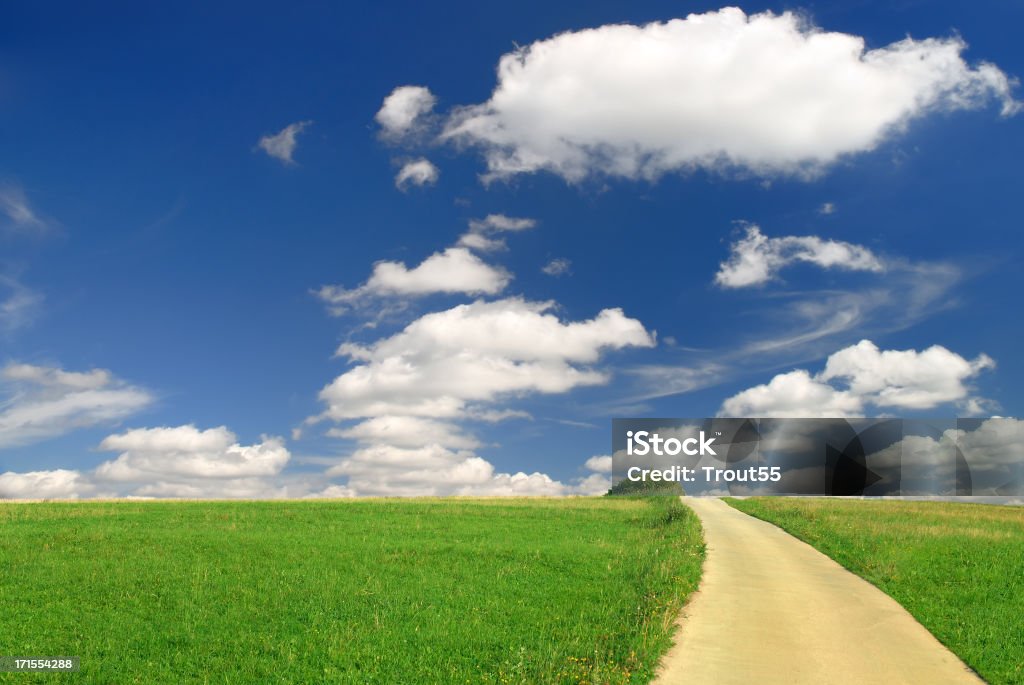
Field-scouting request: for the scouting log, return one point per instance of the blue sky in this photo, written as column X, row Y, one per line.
column 159, row 270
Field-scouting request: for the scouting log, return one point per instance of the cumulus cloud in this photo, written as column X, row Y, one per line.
column 281, row 145
column 155, row 455
column 904, row 378
column 21, row 218
column 44, row 402
column 180, row 461
column 757, row 259
column 418, row 172
column 481, row 232
column 455, row 270
column 56, row 484
column 402, row 109
column 475, row 353
column 863, row 376
column 521, row 484
column 407, row 431
column 557, row 267
column 411, row 389
column 383, row 470
column 796, row 394
column 766, row 93
column 601, row 464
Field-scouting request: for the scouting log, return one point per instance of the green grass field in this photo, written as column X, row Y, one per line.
column 958, row 568
column 372, row 591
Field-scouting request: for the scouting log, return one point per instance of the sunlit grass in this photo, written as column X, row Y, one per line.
column 378, row 591
column 958, row 568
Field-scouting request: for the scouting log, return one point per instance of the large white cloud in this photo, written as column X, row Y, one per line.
column 904, row 378
column 863, row 376
column 56, row 484
column 455, row 270
column 281, row 145
column 185, row 452
column 476, row 353
column 413, row 388
column 401, row 109
column 764, row 93
column 757, row 259
column 44, row 402
column 407, row 431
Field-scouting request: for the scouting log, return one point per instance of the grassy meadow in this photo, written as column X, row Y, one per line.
column 369, row 591
column 958, row 568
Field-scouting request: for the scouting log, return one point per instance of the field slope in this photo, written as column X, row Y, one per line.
column 384, row 591
column 957, row 568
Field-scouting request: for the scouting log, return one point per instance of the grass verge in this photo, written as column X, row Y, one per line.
column 957, row 568
column 370, row 591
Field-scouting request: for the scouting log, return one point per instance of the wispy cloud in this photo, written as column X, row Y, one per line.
column 418, row 172
column 281, row 145
column 19, row 304
column 481, row 232
column 557, row 267
column 757, row 259
column 43, row 401
column 21, row 217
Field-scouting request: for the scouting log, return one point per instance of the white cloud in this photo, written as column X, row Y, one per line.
column 185, row 452
column 403, row 108
column 480, row 231
column 418, row 172
column 498, row 223
column 281, row 145
column 796, row 394
column 19, row 306
column 593, row 485
column 449, row 366
column 904, row 378
column 383, row 470
column 601, row 464
column 44, row 402
column 56, row 484
column 406, row 431
column 388, row 470
column 769, row 94
column 889, row 379
column 476, row 353
column 21, row 217
column 557, row 267
column 456, row 270
column 757, row 259
column 520, row 485
column 229, row 488
column 827, row 208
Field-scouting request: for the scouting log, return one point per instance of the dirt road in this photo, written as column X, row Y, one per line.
column 772, row 609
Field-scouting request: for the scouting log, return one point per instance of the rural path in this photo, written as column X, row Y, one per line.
column 772, row 609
